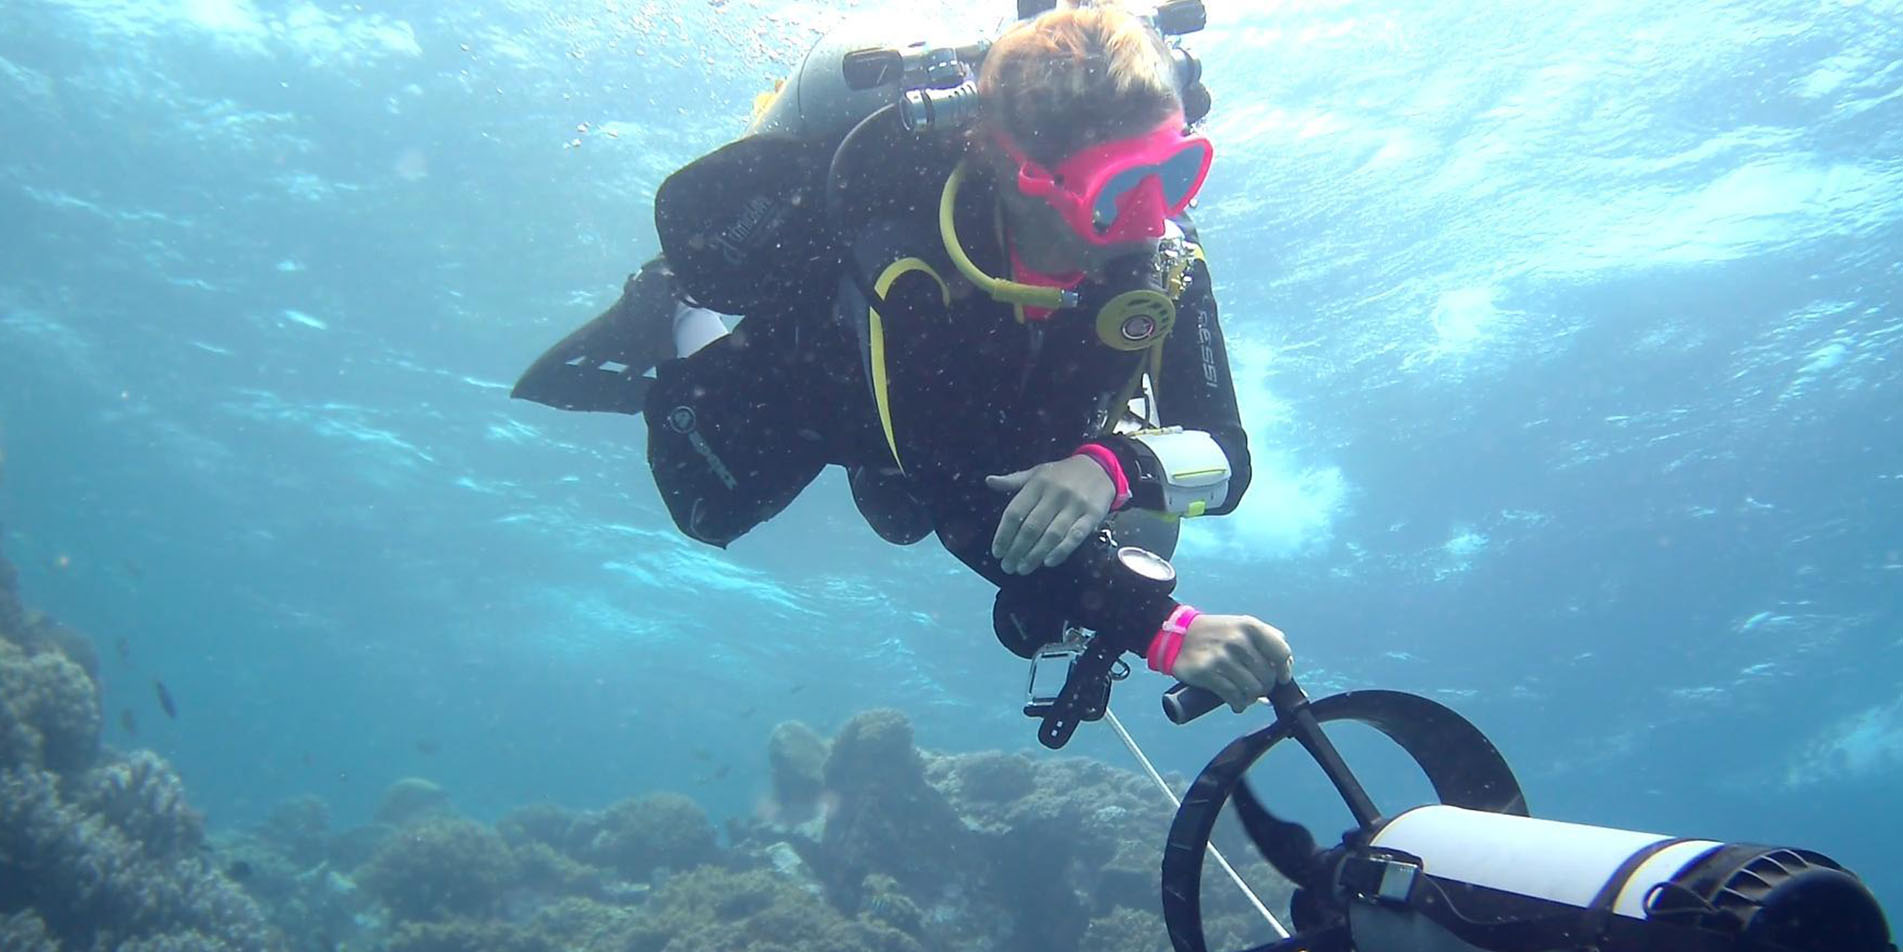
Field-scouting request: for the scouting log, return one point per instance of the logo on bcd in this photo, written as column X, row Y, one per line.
column 681, row 420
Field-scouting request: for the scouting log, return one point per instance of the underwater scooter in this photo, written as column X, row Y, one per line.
column 1476, row 873
column 1471, row 873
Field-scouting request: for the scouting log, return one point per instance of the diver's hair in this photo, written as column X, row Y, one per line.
column 1084, row 73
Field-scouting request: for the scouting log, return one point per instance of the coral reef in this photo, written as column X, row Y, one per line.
column 881, row 900
column 23, row 931
column 49, row 710
column 94, row 886
column 639, row 835
column 317, row 908
column 96, row 855
column 1126, row 930
column 888, row 819
column 716, row 910
column 586, row 924
column 466, row 936
column 544, row 870
column 868, row 845
column 988, row 777
column 10, row 611
column 145, row 799
column 545, row 823
column 300, row 827
column 412, row 799
column 796, row 757
column 439, row 868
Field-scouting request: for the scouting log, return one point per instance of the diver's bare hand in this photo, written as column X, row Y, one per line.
column 1239, row 657
column 1057, row 506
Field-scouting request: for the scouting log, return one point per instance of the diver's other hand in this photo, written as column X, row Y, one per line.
column 1057, row 506
column 1237, row 656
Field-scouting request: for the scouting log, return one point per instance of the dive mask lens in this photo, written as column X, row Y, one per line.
column 1180, row 176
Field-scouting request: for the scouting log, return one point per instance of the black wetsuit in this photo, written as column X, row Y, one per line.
column 739, row 428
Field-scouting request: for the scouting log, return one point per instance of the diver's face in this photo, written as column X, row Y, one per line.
column 1046, row 243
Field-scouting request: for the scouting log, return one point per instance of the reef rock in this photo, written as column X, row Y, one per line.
column 886, row 819
column 796, row 755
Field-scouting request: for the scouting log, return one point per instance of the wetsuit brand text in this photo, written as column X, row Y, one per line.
column 734, row 241
column 1206, row 338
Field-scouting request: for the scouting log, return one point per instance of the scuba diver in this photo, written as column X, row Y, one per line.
column 960, row 271
column 962, row 301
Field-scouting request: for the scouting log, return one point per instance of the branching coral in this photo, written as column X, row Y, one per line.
column 49, row 710
column 23, row 931
column 94, row 886
column 145, row 799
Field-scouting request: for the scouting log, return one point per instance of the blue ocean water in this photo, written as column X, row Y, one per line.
column 1566, row 333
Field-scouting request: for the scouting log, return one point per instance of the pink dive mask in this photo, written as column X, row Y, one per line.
column 1122, row 190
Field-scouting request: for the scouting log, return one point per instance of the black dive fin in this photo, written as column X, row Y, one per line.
column 603, row 365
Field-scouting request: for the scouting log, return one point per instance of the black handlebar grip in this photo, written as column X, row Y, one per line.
column 1184, row 703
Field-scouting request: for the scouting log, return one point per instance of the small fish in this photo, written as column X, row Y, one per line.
column 127, row 722
column 166, row 703
column 239, row 871
column 306, row 758
column 132, row 568
column 124, row 648
column 702, row 753
column 426, row 746
column 720, row 772
column 795, row 689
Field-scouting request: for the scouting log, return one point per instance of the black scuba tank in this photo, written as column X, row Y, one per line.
column 745, row 227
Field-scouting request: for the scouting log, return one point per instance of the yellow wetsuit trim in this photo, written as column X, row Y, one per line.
column 875, row 337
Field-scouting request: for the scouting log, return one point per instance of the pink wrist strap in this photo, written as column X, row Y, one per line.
column 1168, row 642
column 1112, row 468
